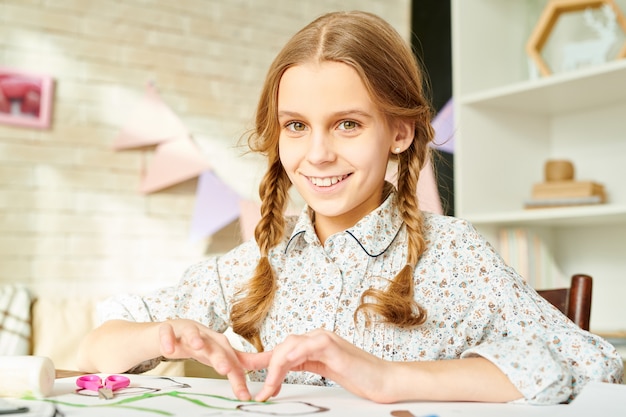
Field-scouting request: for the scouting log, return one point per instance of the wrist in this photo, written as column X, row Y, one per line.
column 407, row 381
column 398, row 381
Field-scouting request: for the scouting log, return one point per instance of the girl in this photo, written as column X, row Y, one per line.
column 362, row 289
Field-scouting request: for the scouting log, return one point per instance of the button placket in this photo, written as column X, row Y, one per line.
column 352, row 265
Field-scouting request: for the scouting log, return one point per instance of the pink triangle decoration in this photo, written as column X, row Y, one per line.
column 173, row 162
column 250, row 214
column 152, row 122
column 427, row 191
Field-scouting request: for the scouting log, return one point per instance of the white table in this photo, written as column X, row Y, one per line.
column 151, row 396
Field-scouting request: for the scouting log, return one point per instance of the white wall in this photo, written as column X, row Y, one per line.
column 71, row 218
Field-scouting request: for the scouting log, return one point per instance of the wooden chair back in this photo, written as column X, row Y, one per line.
column 575, row 301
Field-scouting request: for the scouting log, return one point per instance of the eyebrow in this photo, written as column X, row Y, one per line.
column 343, row 113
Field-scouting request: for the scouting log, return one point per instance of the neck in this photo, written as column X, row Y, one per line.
column 327, row 226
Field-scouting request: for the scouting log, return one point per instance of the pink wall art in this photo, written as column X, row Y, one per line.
column 25, row 99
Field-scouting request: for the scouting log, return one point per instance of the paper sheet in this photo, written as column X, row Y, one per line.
column 154, row 396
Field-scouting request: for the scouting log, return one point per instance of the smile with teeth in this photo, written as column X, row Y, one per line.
column 327, row 181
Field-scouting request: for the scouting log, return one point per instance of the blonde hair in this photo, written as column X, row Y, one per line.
column 394, row 81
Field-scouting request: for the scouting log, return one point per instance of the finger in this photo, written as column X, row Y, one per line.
column 237, row 379
column 266, row 394
column 222, row 362
column 166, row 339
column 220, row 355
column 254, row 361
column 290, row 356
column 192, row 338
column 275, row 393
column 225, row 360
column 280, row 363
column 268, row 391
column 295, row 353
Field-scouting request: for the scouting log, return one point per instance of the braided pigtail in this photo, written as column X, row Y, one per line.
column 249, row 311
column 396, row 304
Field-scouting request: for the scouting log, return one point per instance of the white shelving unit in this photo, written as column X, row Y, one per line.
column 509, row 125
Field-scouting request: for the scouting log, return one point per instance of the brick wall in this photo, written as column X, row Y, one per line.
column 71, row 218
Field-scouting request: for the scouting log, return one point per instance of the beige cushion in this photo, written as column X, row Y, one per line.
column 60, row 324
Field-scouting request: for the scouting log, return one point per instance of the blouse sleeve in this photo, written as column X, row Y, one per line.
column 545, row 355
column 198, row 296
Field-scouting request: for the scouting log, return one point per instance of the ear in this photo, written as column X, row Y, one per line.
column 404, row 133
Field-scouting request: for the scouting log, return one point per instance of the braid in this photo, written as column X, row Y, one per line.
column 247, row 314
column 273, row 193
column 396, row 304
column 411, row 163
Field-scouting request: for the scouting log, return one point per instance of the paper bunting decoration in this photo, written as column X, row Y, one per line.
column 173, row 162
column 176, row 158
column 152, row 122
column 427, row 191
column 443, row 123
column 217, row 205
column 250, row 214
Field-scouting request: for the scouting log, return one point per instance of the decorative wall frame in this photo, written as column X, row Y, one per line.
column 548, row 19
column 25, row 99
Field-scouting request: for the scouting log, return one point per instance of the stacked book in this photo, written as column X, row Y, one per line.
column 566, row 193
column 526, row 251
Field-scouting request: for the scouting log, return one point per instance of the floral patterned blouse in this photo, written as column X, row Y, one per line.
column 476, row 304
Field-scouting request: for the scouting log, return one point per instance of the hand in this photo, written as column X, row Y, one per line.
column 182, row 339
column 326, row 354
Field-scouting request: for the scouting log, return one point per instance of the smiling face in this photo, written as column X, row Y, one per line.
column 334, row 143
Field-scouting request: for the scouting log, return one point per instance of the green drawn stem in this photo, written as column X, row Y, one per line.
column 177, row 394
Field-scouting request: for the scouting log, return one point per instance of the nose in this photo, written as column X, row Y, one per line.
column 321, row 148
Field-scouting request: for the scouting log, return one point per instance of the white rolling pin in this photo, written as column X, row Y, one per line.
column 26, row 376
